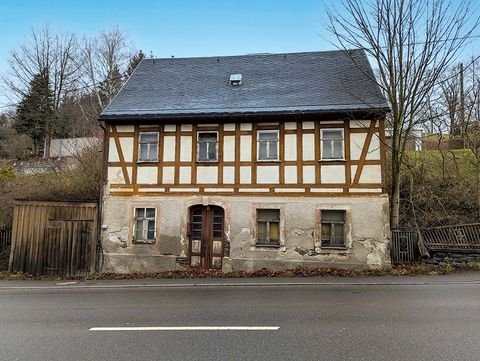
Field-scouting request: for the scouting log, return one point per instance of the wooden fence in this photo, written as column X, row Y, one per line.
column 459, row 238
column 5, row 237
column 53, row 238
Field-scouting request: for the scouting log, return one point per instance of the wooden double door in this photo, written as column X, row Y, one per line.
column 206, row 234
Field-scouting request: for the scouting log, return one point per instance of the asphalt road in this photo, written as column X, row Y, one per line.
column 402, row 319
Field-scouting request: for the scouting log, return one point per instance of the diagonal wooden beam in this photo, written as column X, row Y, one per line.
column 120, row 155
column 363, row 156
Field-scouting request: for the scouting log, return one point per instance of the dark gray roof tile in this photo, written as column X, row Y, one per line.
column 296, row 82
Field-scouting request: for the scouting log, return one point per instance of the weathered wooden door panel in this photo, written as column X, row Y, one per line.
column 67, row 250
column 206, row 237
column 52, row 248
column 54, row 238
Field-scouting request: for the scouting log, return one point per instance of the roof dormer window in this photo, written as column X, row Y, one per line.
column 235, row 79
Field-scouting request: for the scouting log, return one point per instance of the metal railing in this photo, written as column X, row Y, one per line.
column 403, row 246
column 465, row 237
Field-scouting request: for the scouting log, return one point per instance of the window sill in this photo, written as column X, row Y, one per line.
column 332, row 249
column 143, row 242
column 332, row 160
column 147, row 161
column 207, row 162
column 268, row 161
column 275, row 246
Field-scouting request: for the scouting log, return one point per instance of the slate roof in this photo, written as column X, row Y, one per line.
column 271, row 83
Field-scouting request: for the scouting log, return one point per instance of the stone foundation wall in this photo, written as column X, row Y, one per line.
column 458, row 260
column 367, row 232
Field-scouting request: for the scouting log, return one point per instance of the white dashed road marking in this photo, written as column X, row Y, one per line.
column 189, row 328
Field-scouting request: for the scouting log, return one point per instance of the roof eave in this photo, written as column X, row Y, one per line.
column 218, row 115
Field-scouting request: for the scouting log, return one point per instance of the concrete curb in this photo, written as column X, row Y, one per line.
column 80, row 286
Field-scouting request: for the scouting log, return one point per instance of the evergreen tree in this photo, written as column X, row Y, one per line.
column 111, row 85
column 134, row 61
column 35, row 112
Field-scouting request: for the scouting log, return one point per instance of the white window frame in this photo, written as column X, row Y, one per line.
column 322, row 131
column 268, row 145
column 145, row 225
column 208, row 145
column 148, row 147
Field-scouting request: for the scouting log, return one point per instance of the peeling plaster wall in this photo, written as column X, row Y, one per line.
column 367, row 232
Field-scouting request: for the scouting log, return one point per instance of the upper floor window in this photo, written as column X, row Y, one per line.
column 207, row 147
column 333, row 228
column 148, row 147
column 267, row 141
column 144, row 228
column 332, row 144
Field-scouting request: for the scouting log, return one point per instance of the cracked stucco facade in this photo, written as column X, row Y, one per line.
column 367, row 230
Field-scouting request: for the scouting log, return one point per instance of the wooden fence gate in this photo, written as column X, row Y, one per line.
column 54, row 238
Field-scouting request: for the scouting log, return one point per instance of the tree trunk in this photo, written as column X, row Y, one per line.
column 477, row 158
column 46, row 150
column 395, row 190
column 395, row 202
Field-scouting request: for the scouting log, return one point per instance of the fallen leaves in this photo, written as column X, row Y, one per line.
column 192, row 273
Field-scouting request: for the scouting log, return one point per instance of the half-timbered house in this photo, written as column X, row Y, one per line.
column 245, row 162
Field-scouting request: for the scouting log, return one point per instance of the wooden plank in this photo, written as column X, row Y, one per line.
column 364, row 153
column 74, row 262
column 237, row 153
column 193, row 174
column 38, row 239
column 93, row 239
column 299, row 152
column 24, row 239
column 160, row 155
column 120, row 154
column 14, row 243
column 63, row 248
column 281, row 139
column 177, row 155
column 317, row 142
column 135, row 154
column 348, row 167
column 84, row 259
column 220, row 155
column 383, row 152
column 253, row 153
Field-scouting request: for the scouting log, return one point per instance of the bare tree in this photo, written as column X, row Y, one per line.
column 450, row 96
column 105, row 60
column 412, row 43
column 471, row 115
column 56, row 55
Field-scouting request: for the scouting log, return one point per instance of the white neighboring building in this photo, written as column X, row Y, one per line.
column 415, row 141
column 71, row 147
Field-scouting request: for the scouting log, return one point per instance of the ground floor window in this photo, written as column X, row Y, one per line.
column 144, row 227
column 333, row 228
column 268, row 227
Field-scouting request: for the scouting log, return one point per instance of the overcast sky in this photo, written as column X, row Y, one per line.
column 179, row 27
